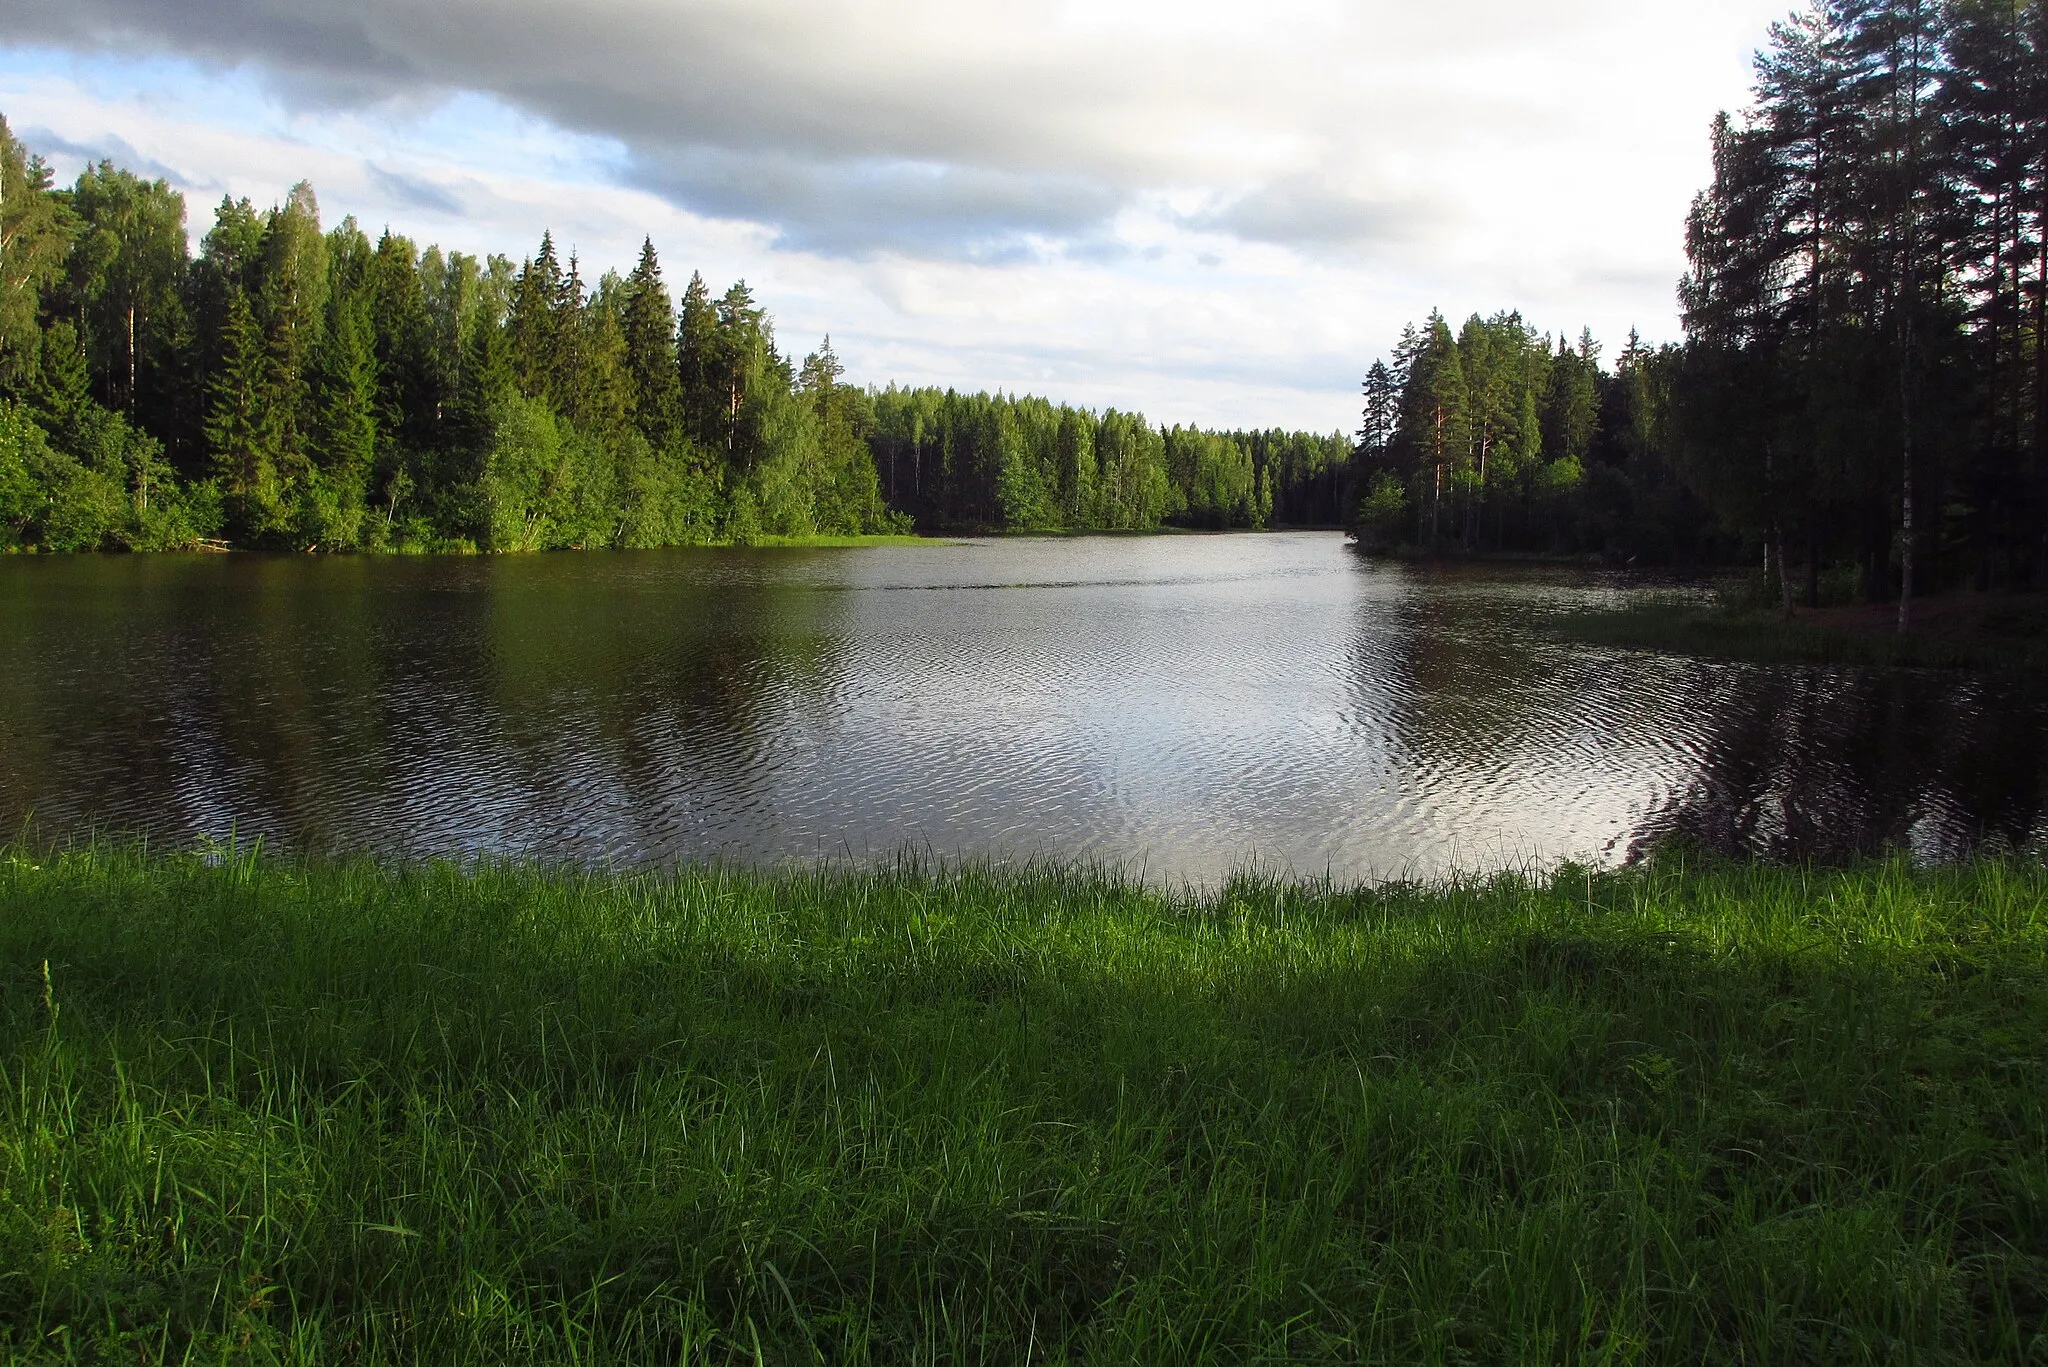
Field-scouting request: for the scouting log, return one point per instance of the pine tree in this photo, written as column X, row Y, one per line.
column 1436, row 419
column 741, row 363
column 1382, row 416
column 849, row 498
column 64, row 398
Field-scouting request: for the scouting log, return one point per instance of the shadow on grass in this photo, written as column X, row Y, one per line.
column 1677, row 1113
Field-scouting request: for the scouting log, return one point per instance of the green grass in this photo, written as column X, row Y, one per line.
column 268, row 1111
column 1692, row 627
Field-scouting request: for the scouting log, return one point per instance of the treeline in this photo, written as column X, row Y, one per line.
column 1860, row 389
column 965, row 461
column 297, row 388
column 1496, row 438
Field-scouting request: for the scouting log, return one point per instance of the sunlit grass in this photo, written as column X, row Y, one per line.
column 268, row 1111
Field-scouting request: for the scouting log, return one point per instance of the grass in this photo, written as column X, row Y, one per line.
column 254, row 1110
column 1696, row 627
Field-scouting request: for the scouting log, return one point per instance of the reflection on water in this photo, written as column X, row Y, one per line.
column 1180, row 704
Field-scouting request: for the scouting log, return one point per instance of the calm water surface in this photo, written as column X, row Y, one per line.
column 1181, row 705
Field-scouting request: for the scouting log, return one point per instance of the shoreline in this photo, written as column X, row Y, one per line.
column 2000, row 632
column 819, row 542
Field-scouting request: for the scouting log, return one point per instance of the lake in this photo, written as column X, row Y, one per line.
column 1179, row 705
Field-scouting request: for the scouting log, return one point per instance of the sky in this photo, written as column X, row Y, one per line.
column 1209, row 212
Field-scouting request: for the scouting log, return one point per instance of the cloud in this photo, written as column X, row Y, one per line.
column 858, row 208
column 107, row 148
column 785, row 113
column 1303, row 211
column 958, row 129
column 413, row 191
column 1216, row 210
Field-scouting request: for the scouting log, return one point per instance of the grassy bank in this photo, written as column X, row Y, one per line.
column 260, row 1111
column 1980, row 637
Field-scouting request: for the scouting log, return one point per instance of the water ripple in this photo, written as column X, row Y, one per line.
column 1180, row 704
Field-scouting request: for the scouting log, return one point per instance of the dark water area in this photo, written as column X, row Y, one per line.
column 1176, row 705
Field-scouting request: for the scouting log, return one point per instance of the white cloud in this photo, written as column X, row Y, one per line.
column 1214, row 211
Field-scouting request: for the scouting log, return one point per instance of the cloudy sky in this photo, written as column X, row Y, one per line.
column 1214, row 212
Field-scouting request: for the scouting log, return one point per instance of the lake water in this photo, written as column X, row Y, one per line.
column 1177, row 705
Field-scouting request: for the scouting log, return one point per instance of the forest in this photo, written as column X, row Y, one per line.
column 299, row 388
column 1857, row 401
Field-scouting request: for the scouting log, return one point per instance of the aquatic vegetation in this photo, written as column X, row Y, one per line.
column 1692, row 627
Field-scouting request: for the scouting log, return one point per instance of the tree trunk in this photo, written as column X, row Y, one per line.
column 1777, row 555
column 1906, row 540
column 1909, row 298
column 1436, row 509
column 2041, row 385
column 1479, row 512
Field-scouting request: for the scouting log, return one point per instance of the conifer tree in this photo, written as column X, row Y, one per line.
column 703, row 398
column 1571, row 407
column 601, row 401
column 649, row 324
column 345, row 443
column 742, row 355
column 292, row 278
column 239, row 427
column 570, row 384
column 410, row 368
column 1436, row 420
column 535, row 324
column 64, row 398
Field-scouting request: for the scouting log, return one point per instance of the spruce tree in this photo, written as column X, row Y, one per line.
column 535, row 323
column 345, row 442
column 703, row 399
column 412, row 391
column 649, row 324
column 292, row 279
column 239, row 428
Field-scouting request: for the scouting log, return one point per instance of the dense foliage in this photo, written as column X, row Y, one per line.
column 976, row 460
column 1861, row 382
column 299, row 388
column 1494, row 438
